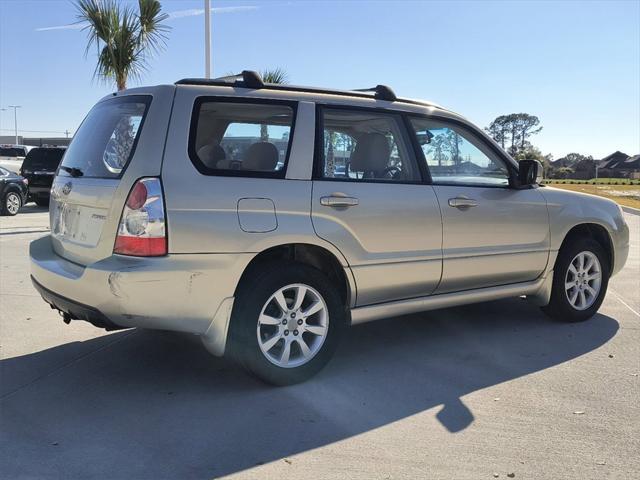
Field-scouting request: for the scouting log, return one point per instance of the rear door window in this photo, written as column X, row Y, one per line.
column 241, row 138
column 365, row 146
column 105, row 142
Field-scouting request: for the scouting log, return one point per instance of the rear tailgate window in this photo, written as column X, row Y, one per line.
column 45, row 159
column 105, row 142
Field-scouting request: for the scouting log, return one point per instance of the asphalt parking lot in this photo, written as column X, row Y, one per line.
column 485, row 391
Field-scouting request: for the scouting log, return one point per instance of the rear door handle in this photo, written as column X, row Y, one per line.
column 338, row 201
column 462, row 202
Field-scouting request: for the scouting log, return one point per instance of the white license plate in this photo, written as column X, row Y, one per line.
column 78, row 223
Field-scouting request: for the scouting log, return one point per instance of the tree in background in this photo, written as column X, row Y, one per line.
column 125, row 39
column 527, row 125
column 274, row 75
column 532, row 153
column 584, row 166
column 499, row 130
column 514, row 130
column 437, row 148
column 453, row 142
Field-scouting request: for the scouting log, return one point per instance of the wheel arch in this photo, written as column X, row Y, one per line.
column 595, row 231
column 308, row 254
column 12, row 187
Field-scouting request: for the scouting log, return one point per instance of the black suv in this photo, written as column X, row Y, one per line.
column 39, row 168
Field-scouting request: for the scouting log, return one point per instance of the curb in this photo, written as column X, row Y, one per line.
column 631, row 210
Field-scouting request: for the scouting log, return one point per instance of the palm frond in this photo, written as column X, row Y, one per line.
column 153, row 33
column 123, row 38
column 275, row 75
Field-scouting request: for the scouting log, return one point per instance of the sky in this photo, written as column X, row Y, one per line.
column 574, row 64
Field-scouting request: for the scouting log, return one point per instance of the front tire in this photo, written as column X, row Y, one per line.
column 286, row 323
column 580, row 280
column 11, row 203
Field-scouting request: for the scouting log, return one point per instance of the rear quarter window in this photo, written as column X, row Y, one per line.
column 238, row 137
column 106, row 141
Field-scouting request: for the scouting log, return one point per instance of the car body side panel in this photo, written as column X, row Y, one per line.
column 502, row 240
column 392, row 239
column 569, row 209
column 203, row 210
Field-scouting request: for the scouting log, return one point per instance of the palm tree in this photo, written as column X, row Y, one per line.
column 275, row 75
column 124, row 38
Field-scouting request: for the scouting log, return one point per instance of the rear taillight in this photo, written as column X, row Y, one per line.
column 142, row 230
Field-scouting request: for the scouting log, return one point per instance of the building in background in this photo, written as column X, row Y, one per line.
column 34, row 141
column 620, row 165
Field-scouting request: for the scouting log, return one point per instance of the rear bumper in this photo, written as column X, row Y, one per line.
column 189, row 293
column 39, row 191
column 74, row 310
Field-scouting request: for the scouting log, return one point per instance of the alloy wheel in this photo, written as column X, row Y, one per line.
column 13, row 203
column 292, row 326
column 583, row 280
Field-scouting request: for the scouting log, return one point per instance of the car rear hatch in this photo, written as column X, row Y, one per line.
column 121, row 139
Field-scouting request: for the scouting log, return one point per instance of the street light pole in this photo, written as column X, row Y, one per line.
column 207, row 38
column 15, row 119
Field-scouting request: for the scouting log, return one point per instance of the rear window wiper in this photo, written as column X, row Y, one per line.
column 73, row 171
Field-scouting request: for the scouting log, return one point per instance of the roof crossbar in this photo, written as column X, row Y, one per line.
column 381, row 92
column 247, row 78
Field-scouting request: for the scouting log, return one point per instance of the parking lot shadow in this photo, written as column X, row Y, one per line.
column 156, row 405
column 33, row 208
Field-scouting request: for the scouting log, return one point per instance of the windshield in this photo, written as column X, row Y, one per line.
column 105, row 142
column 43, row 159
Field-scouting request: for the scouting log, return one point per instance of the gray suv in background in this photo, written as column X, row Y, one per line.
column 268, row 218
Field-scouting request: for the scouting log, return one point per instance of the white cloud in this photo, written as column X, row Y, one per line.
column 192, row 12
column 71, row 26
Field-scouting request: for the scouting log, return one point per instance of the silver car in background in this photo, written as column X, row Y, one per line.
column 12, row 156
column 267, row 219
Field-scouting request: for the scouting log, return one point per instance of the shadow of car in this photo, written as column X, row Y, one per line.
column 151, row 404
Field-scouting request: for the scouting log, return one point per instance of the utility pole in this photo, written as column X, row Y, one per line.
column 15, row 119
column 66, row 133
column 207, row 38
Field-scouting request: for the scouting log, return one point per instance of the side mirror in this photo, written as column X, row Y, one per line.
column 529, row 173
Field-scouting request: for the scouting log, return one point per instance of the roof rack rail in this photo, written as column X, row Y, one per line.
column 252, row 79
column 381, row 92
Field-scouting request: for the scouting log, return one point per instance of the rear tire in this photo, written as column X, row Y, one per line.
column 11, row 203
column 283, row 346
column 42, row 202
column 580, row 279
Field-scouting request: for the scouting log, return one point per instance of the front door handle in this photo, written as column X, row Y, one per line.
column 338, row 201
column 462, row 202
